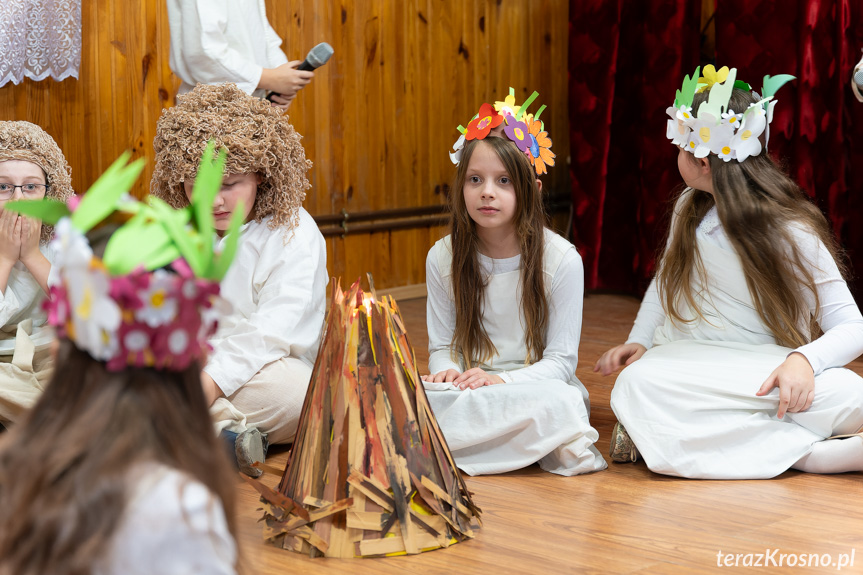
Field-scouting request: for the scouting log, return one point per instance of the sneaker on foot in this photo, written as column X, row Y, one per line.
column 622, row 448
column 250, row 447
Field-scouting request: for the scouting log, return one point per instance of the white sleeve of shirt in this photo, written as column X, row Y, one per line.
column 838, row 314
column 172, row 525
column 650, row 316
column 440, row 317
column 9, row 305
column 565, row 307
column 289, row 315
column 275, row 54
column 206, row 55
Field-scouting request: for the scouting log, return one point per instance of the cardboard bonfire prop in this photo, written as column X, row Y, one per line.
column 370, row 473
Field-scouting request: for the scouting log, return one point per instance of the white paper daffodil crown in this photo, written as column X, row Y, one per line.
column 526, row 130
column 152, row 299
column 715, row 128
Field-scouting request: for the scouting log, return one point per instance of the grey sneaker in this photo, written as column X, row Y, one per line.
column 622, row 448
column 250, row 448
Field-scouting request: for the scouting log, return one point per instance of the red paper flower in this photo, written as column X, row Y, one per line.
column 479, row 127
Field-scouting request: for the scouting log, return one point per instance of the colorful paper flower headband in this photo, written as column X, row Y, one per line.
column 148, row 302
column 715, row 128
column 526, row 130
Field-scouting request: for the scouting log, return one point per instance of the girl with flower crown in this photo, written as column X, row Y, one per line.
column 115, row 469
column 31, row 167
column 263, row 353
column 505, row 308
column 734, row 364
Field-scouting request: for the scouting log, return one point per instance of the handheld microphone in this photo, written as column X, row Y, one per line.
column 317, row 57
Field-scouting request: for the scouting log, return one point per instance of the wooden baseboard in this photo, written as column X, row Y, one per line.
column 401, row 293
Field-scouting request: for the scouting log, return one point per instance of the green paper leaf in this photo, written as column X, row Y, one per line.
column 220, row 263
column 48, row 210
column 101, row 199
column 772, row 84
column 512, row 91
column 523, row 108
column 207, row 183
column 461, row 129
column 186, row 241
column 141, row 242
column 539, row 112
column 717, row 101
column 741, row 85
column 683, row 96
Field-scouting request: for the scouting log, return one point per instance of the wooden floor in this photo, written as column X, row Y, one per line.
column 622, row 520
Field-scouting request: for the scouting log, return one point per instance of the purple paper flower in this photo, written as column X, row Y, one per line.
column 517, row 132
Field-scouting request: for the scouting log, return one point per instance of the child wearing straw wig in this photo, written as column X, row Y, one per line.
column 505, row 309
column 735, row 359
column 31, row 167
column 258, row 372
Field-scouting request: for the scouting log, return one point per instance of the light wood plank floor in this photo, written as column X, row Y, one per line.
column 622, row 520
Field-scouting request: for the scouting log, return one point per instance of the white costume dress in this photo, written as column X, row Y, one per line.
column 216, row 41
column 172, row 524
column 264, row 350
column 541, row 413
column 26, row 364
column 689, row 403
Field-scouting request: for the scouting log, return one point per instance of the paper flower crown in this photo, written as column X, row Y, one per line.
column 148, row 302
column 526, row 130
column 715, row 128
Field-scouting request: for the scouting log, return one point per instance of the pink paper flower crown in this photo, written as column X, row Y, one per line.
column 161, row 318
column 526, row 130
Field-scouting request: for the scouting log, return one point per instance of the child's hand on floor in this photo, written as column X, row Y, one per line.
column 474, row 378
column 619, row 356
column 796, row 382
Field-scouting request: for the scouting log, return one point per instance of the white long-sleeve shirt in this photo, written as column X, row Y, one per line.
column 278, row 294
column 22, row 299
column 838, row 315
column 172, row 525
column 565, row 299
column 215, row 41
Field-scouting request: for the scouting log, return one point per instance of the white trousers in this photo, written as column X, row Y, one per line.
column 271, row 401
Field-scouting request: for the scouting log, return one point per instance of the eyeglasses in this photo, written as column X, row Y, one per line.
column 29, row 190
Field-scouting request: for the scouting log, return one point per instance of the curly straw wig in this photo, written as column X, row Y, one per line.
column 258, row 138
column 30, row 143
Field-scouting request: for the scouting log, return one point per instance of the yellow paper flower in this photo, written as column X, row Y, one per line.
column 507, row 107
column 710, row 76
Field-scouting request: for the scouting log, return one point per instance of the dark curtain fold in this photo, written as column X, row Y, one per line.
column 817, row 132
column 626, row 60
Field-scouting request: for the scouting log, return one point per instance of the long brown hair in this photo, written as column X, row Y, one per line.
column 64, row 469
column 758, row 205
column 469, row 337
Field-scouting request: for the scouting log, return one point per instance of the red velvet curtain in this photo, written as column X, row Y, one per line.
column 817, row 132
column 627, row 59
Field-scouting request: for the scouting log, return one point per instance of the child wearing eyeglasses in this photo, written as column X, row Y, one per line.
column 31, row 167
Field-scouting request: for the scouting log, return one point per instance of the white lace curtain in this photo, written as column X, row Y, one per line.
column 39, row 38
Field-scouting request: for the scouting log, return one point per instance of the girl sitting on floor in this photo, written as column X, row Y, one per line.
column 31, row 167
column 735, row 360
column 505, row 309
column 116, row 468
column 263, row 352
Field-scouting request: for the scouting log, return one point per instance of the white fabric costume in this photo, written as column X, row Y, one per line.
column 215, row 41
column 541, row 413
column 172, row 524
column 264, row 350
column 689, row 403
column 25, row 356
